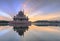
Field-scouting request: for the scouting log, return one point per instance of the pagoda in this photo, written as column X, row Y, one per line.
column 20, row 20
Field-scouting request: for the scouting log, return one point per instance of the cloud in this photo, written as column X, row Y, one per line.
column 49, row 16
column 5, row 18
column 46, row 6
column 4, row 14
column 42, row 3
column 31, row 7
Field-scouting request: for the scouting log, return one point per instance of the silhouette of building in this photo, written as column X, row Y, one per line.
column 20, row 19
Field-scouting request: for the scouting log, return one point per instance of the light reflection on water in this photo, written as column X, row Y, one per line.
column 33, row 33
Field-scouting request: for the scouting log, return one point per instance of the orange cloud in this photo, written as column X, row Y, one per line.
column 27, row 9
column 4, row 18
column 50, row 16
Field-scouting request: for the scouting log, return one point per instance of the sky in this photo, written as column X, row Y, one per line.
column 34, row 9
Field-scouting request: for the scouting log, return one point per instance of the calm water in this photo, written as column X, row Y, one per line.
column 31, row 33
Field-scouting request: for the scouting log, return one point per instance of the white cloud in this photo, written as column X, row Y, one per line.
column 4, row 14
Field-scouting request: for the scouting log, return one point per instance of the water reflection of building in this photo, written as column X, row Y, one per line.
column 20, row 30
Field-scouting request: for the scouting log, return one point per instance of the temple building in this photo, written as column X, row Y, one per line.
column 20, row 20
column 20, row 17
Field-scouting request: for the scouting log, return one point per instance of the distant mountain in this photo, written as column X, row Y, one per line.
column 3, row 21
column 46, row 23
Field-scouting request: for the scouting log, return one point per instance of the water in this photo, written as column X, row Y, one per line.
column 31, row 33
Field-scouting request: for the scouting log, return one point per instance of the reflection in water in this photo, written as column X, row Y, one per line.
column 35, row 33
column 20, row 30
